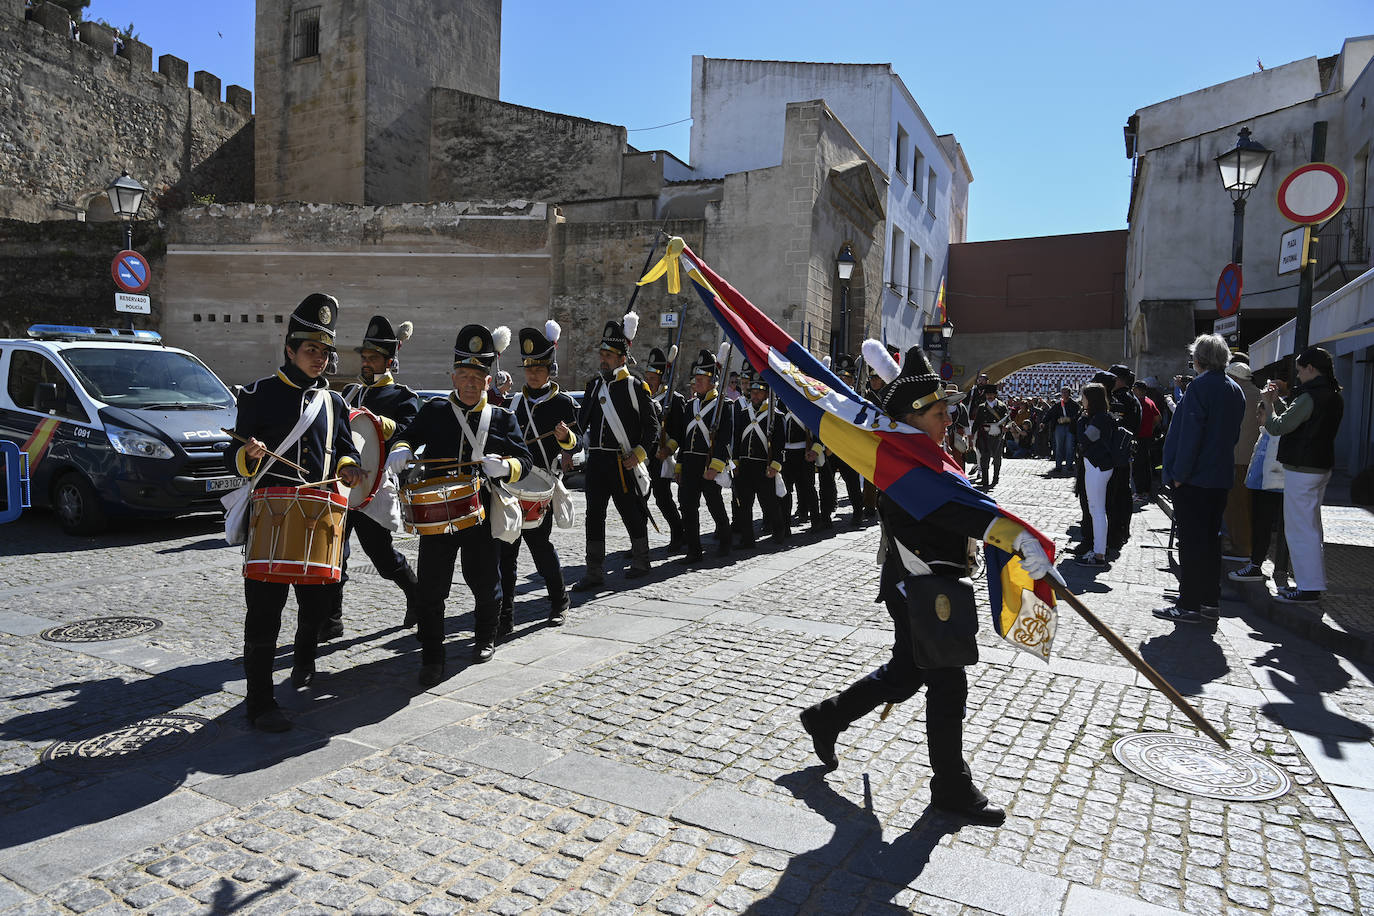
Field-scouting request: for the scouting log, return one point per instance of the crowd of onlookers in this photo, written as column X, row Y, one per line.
column 1247, row 467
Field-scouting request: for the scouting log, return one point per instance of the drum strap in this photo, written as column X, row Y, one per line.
column 477, row 443
column 529, row 426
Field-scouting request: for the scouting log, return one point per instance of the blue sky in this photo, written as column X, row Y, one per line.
column 1036, row 93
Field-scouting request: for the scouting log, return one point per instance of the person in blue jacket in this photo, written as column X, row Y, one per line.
column 1198, row 456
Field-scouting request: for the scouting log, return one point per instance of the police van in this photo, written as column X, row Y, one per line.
column 115, row 423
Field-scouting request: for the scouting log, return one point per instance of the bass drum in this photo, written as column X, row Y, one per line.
column 371, row 445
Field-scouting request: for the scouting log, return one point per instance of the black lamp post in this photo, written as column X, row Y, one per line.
column 126, row 197
column 1241, row 168
column 844, row 264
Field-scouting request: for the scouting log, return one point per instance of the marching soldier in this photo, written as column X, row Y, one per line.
column 757, row 464
column 799, row 470
column 620, row 423
column 465, row 428
column 704, row 456
column 671, row 405
column 989, row 423
column 543, row 413
column 268, row 412
column 395, row 406
column 845, row 367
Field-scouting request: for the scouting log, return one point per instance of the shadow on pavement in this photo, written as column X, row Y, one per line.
column 37, row 532
column 1189, row 656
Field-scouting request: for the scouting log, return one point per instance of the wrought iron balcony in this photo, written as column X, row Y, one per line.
column 1343, row 247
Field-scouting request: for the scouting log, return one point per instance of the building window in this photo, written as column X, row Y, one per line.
column 928, row 298
column 305, row 34
column 898, row 249
column 930, row 191
column 916, row 165
column 903, row 146
column 913, row 274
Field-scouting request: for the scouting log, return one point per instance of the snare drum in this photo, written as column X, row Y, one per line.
column 295, row 535
column 535, row 492
column 442, row 505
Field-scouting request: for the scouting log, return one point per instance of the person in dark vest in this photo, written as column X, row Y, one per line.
column 1307, row 451
column 933, row 546
column 758, row 461
column 671, row 405
column 620, row 424
column 395, row 406
column 704, row 456
column 268, row 410
column 545, row 414
column 1120, row 505
column 465, row 429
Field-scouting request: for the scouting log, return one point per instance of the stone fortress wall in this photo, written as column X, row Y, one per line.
column 74, row 113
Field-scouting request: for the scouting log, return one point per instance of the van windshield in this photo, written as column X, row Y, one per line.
column 147, row 379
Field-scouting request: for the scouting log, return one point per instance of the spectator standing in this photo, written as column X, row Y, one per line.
column 1096, row 429
column 1143, row 467
column 1063, row 420
column 1264, row 479
column 1119, row 505
column 1197, row 464
column 1238, row 505
column 1307, row 451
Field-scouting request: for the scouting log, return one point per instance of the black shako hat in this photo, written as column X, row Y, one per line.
column 540, row 348
column 380, row 336
column 658, row 360
column 915, row 386
column 477, row 347
column 1123, row 373
column 843, row 365
column 313, row 320
column 619, row 335
column 705, row 364
column 756, row 382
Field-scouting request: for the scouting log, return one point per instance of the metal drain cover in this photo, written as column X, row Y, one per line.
column 1199, row 767
column 156, row 736
column 100, row 629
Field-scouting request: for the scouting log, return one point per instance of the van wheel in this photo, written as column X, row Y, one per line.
column 78, row 505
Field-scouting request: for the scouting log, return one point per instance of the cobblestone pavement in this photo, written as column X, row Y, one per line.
column 647, row 756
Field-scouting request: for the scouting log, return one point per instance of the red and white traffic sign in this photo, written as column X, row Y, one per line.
column 131, row 272
column 1312, row 193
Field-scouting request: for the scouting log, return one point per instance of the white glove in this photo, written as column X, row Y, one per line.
column 495, row 467
column 398, row 458
column 1033, row 559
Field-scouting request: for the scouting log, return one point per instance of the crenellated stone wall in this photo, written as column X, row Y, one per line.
column 74, row 114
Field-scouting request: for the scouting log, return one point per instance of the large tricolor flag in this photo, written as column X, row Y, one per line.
column 898, row 459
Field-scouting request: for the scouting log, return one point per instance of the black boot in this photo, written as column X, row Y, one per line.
column 303, row 657
column 332, row 628
column 505, row 621
column 639, row 558
column 408, row 581
column 823, row 736
column 431, row 664
column 558, row 610
column 263, row 713
column 595, row 577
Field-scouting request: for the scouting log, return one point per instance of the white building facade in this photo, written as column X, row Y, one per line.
column 738, row 108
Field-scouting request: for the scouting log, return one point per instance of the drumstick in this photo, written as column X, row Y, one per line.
column 286, row 461
column 453, row 461
column 571, row 426
column 318, row 483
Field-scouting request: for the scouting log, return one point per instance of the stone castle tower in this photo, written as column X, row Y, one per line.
column 343, row 92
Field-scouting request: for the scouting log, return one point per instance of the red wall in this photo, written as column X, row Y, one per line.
column 1053, row 282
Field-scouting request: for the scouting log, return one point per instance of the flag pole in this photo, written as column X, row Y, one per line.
column 1140, row 664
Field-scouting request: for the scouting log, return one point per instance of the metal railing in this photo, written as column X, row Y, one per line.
column 1344, row 242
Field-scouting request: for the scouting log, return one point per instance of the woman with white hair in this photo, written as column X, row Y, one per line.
column 1197, row 464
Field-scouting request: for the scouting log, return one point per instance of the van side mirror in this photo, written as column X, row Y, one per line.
column 45, row 397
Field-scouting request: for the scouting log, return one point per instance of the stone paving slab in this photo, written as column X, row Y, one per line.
column 245, row 788
column 761, row 821
column 625, row 627
column 617, row 783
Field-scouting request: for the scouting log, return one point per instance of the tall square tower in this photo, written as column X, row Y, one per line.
column 343, row 92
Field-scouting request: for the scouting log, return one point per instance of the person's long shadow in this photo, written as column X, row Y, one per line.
column 1188, row 656
column 1304, row 678
column 856, row 848
column 226, row 746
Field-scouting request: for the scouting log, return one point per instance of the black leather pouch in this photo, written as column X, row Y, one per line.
column 944, row 621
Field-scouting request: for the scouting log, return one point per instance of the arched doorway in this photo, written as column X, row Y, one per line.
column 1074, row 368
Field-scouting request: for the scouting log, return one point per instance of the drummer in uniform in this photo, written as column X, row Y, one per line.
column 671, row 405
column 757, row 463
column 544, row 414
column 704, row 456
column 395, row 407
column 621, row 426
column 268, row 411
column 463, row 427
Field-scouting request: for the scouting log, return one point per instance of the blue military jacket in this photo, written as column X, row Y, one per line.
column 270, row 407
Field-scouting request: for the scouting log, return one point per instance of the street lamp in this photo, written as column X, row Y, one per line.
column 1241, row 168
column 844, row 264
column 126, row 197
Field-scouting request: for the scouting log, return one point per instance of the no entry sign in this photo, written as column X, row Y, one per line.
column 1312, row 193
column 130, row 271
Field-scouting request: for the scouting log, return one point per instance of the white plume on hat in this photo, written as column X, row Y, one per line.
column 552, row 331
column 500, row 338
column 879, row 360
column 404, row 331
column 630, row 324
column 722, row 354
column 826, row 360
column 672, row 353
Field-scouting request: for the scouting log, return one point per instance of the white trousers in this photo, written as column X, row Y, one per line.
column 1302, row 526
column 1095, row 482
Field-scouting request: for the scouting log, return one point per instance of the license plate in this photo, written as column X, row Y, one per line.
column 224, row 483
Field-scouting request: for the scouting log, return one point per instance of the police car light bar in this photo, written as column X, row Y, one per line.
column 81, row 332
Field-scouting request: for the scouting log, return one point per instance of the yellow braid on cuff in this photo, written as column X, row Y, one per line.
column 1002, row 534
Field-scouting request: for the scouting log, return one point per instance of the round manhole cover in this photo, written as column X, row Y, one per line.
column 156, row 736
column 100, row 629
column 1199, row 767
